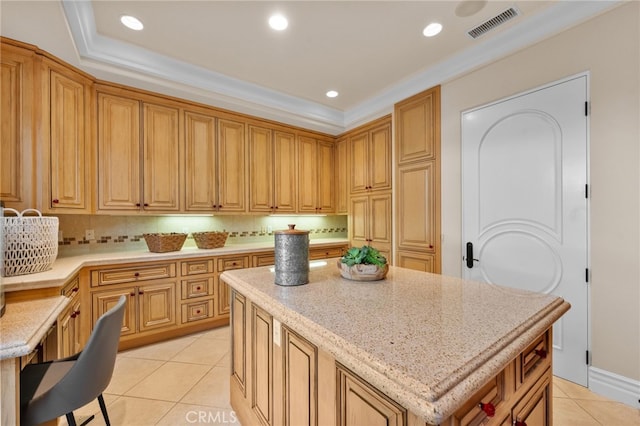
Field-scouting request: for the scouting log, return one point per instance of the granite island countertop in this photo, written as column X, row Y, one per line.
column 64, row 267
column 426, row 340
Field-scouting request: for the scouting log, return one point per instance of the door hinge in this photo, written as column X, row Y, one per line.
column 586, row 109
column 587, row 357
column 586, row 190
column 586, row 275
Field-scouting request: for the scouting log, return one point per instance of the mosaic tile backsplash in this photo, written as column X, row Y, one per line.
column 121, row 233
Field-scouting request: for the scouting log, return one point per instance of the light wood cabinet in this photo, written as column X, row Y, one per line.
column 417, row 189
column 315, row 176
column 370, row 155
column 138, row 155
column 227, row 263
column 300, row 374
column 262, row 365
column 342, row 175
column 69, row 332
column 69, row 143
column 272, row 171
column 18, row 127
column 232, row 169
column 370, row 222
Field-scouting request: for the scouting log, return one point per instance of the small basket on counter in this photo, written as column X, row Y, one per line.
column 164, row 242
column 210, row 240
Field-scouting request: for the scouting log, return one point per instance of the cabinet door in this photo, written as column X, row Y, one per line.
column 76, row 327
column 238, row 343
column 417, row 261
column 231, row 166
column 417, row 207
column 102, row 301
column 157, row 306
column 161, row 158
column 261, row 170
column 69, row 147
column 361, row 404
column 380, row 212
column 118, row 153
column 200, row 162
column 359, row 221
column 418, row 127
column 285, row 183
column 307, row 175
column 300, row 370
column 262, row 365
column 359, row 149
column 326, row 176
column 379, row 158
column 342, row 176
column 65, row 333
column 535, row 406
column 17, row 185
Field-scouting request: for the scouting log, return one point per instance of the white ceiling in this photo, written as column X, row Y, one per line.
column 223, row 53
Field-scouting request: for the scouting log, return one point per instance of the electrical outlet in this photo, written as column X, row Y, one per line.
column 89, row 235
column 60, row 237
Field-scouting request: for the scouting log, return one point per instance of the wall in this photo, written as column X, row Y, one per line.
column 608, row 47
column 117, row 233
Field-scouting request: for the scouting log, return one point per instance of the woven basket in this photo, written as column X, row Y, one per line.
column 210, row 240
column 161, row 243
column 30, row 243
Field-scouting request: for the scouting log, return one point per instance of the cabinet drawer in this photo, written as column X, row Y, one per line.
column 534, row 360
column 196, row 287
column 325, row 253
column 471, row 413
column 266, row 259
column 226, row 264
column 196, row 311
column 71, row 288
column 195, row 267
column 133, row 273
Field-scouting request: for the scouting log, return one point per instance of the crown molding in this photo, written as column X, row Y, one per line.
column 137, row 65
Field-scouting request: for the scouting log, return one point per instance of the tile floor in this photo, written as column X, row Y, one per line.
column 185, row 381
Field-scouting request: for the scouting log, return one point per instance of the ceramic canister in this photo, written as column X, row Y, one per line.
column 292, row 256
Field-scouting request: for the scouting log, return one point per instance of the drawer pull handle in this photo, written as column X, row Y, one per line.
column 137, row 274
column 541, row 353
column 140, row 291
column 55, row 201
column 132, row 294
column 198, row 311
column 198, row 288
column 75, row 290
column 519, row 423
column 488, row 408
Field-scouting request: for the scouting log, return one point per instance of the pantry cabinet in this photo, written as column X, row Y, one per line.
column 315, row 176
column 67, row 97
column 370, row 156
column 18, row 132
column 138, row 155
column 272, row 170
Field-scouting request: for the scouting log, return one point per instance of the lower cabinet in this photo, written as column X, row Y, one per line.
column 69, row 327
column 278, row 377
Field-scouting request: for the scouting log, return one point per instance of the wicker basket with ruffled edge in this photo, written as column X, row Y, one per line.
column 210, row 240
column 161, row 243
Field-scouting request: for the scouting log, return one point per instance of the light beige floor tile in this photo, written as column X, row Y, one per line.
column 92, row 408
column 225, row 361
column 203, row 351
column 220, row 333
column 162, row 351
column 129, row 372
column 170, row 382
column 611, row 413
column 575, row 391
column 567, row 413
column 557, row 392
column 211, row 391
column 128, row 411
column 187, row 414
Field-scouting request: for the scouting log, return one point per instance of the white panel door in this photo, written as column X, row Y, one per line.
column 524, row 163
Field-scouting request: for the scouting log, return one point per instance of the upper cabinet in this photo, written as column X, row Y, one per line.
column 68, row 142
column 370, row 155
column 272, row 171
column 342, row 175
column 232, row 168
column 18, row 127
column 316, row 176
column 138, row 155
column 418, row 127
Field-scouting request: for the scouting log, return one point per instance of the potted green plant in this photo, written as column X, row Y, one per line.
column 363, row 264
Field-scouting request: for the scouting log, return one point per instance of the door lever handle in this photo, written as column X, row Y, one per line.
column 469, row 257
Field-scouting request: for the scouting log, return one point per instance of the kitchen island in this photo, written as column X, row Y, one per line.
column 414, row 348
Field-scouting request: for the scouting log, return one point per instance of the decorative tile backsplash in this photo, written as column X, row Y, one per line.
column 116, row 233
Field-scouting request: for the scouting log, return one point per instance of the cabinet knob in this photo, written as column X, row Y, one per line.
column 55, row 201
column 75, row 290
column 132, row 294
column 488, row 408
column 140, row 291
column 73, row 315
column 519, row 423
column 198, row 311
column 541, row 353
column 146, row 204
column 137, row 274
column 198, row 288
column 430, row 246
column 137, row 204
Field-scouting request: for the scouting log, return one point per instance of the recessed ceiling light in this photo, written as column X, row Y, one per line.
column 131, row 22
column 332, row 94
column 432, row 29
column 278, row 22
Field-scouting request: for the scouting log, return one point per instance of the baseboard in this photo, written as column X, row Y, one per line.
column 615, row 386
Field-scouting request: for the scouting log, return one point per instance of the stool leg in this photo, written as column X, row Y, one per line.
column 71, row 421
column 103, row 408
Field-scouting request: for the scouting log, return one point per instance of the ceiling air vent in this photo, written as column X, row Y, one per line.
column 493, row 22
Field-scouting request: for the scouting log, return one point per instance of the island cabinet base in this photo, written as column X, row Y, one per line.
column 279, row 377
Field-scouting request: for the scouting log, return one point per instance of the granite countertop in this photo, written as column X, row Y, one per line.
column 426, row 340
column 24, row 324
column 64, row 268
